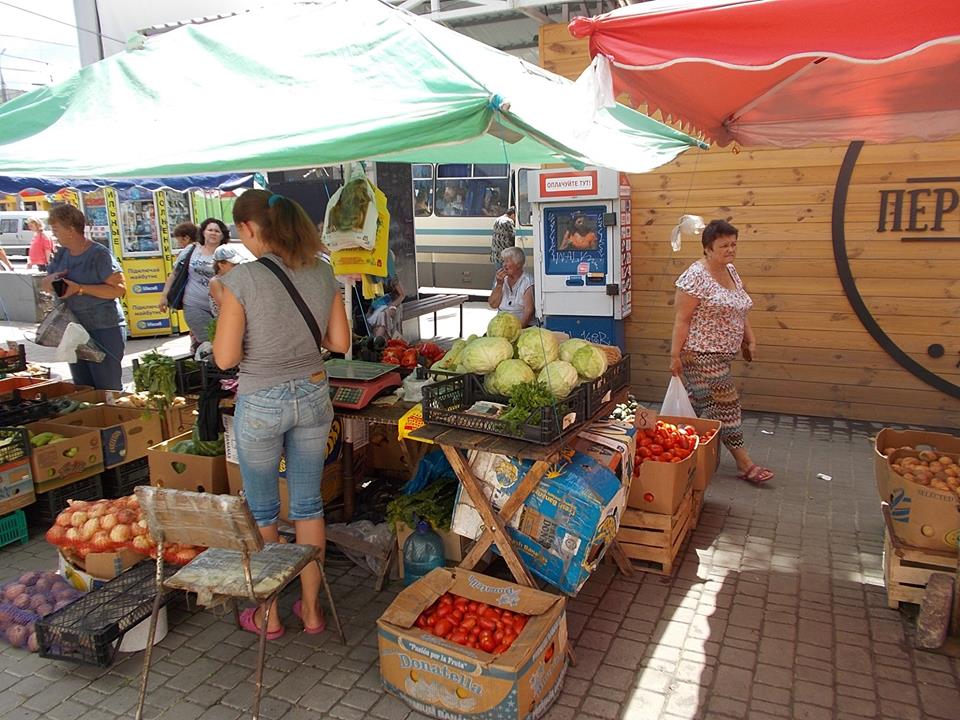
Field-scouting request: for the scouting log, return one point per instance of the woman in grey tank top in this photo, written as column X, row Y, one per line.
column 283, row 399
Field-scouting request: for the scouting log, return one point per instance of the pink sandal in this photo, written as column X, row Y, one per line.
column 756, row 474
column 297, row 608
column 248, row 622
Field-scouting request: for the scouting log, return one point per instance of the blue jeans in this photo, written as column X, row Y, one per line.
column 292, row 418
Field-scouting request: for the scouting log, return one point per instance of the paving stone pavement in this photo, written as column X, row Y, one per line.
column 777, row 611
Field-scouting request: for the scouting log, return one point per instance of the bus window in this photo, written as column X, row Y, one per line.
column 423, row 190
column 524, row 209
column 472, row 190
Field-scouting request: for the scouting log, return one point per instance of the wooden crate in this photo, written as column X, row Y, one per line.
column 653, row 541
column 697, row 507
column 906, row 570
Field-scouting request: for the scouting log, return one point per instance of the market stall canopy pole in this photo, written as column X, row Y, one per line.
column 789, row 72
column 320, row 83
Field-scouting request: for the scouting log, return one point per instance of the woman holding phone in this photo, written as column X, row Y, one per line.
column 88, row 279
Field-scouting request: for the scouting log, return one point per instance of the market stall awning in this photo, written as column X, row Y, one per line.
column 12, row 185
column 309, row 84
column 789, row 72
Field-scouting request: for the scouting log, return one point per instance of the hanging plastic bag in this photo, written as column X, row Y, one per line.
column 676, row 402
column 688, row 225
column 51, row 330
column 357, row 260
column 351, row 217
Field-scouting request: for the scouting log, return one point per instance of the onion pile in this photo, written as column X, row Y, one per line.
column 26, row 600
column 104, row 526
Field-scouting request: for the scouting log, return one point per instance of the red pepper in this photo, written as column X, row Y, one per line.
column 409, row 359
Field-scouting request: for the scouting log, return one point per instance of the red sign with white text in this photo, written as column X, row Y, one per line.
column 568, row 184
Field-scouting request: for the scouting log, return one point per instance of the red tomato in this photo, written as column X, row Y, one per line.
column 442, row 627
column 518, row 622
column 475, row 632
column 656, row 450
column 444, row 609
column 507, row 616
column 643, row 452
column 677, row 459
column 468, row 622
column 456, row 615
column 501, row 648
column 458, row 636
column 508, row 638
column 481, row 609
column 665, row 457
column 488, row 645
column 472, row 606
column 431, row 620
column 499, row 635
column 680, row 453
column 461, row 602
column 646, row 441
column 421, row 621
column 488, row 624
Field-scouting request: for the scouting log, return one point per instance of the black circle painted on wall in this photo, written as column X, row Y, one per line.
column 850, row 285
column 935, row 351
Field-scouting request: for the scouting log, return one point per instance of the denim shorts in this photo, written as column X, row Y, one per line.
column 292, row 418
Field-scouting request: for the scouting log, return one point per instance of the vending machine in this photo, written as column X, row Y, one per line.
column 581, row 252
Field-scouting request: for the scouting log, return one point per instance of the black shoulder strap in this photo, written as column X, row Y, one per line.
column 297, row 300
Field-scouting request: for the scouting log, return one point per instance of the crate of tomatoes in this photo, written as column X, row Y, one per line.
column 398, row 352
column 708, row 449
column 460, row 644
column 664, row 466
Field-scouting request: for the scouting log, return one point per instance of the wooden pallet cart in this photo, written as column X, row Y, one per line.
column 653, row 541
column 907, row 569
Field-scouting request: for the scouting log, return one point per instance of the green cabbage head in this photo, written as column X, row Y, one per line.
column 509, row 373
column 569, row 347
column 537, row 347
column 484, row 354
column 504, row 325
column 590, row 362
column 560, row 377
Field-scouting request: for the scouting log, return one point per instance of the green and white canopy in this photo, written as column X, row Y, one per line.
column 316, row 83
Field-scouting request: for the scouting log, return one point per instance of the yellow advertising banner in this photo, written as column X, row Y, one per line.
column 145, row 279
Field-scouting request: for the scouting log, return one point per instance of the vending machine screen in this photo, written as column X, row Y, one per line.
column 575, row 240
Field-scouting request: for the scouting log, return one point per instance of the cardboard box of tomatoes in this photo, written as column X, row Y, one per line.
column 567, row 523
column 665, row 466
column 471, row 672
column 708, row 451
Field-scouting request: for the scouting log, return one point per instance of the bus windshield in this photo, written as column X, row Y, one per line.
column 471, row 190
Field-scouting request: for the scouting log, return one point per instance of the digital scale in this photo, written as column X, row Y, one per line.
column 354, row 383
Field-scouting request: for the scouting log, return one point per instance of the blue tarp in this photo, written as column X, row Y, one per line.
column 11, row 185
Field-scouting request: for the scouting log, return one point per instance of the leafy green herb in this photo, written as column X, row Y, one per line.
column 157, row 375
column 434, row 503
column 526, row 399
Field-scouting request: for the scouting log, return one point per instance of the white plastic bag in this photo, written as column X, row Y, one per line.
column 73, row 337
column 351, row 217
column 676, row 402
column 688, row 225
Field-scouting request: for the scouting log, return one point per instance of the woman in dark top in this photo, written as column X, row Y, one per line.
column 93, row 286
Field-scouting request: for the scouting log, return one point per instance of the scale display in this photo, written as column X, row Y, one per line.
column 354, row 383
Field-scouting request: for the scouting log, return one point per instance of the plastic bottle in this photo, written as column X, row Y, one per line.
column 422, row 552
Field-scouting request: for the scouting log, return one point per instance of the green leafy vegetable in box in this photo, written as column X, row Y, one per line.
column 434, row 504
column 157, row 375
column 527, row 398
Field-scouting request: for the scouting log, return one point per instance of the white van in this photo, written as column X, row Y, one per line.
column 15, row 235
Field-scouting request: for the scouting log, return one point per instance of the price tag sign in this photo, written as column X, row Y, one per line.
column 645, row 418
column 583, row 268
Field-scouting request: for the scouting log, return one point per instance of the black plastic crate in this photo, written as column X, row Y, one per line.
column 14, row 363
column 446, row 403
column 189, row 375
column 87, row 630
column 22, row 411
column 615, row 378
column 121, row 480
column 14, row 444
column 51, row 503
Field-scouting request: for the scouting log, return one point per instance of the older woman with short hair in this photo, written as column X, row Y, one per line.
column 711, row 327
column 93, row 286
column 513, row 290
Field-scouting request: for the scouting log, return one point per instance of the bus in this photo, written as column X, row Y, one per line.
column 454, row 207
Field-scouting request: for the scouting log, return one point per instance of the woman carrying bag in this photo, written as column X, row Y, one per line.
column 711, row 328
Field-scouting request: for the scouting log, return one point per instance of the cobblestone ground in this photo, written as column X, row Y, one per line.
column 777, row 611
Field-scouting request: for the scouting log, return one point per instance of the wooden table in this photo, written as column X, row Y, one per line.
column 454, row 444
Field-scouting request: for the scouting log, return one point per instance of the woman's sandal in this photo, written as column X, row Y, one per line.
column 297, row 608
column 248, row 622
column 756, row 474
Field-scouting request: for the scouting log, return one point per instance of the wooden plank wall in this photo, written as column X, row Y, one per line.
column 815, row 355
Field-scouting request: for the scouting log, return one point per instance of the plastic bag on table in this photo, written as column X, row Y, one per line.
column 676, row 402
